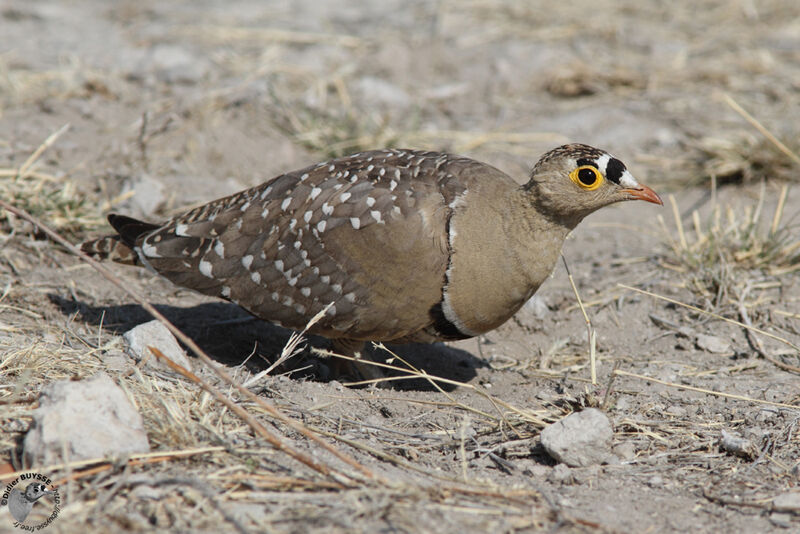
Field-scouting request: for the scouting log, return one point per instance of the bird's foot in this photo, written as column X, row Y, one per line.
column 357, row 364
column 358, row 369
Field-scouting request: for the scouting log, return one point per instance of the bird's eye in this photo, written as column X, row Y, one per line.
column 587, row 177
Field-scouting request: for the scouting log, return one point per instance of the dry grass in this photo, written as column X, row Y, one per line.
column 735, row 241
column 321, row 115
column 323, row 119
column 745, row 158
column 53, row 197
column 190, row 468
column 732, row 243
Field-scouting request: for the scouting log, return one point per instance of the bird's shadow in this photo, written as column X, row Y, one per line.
column 233, row 337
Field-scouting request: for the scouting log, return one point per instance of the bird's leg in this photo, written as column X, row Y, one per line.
column 357, row 367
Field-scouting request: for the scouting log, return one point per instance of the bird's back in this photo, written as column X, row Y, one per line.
column 369, row 234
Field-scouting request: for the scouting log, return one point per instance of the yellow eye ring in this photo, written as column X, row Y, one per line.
column 587, row 177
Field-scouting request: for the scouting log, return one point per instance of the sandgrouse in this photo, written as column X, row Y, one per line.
column 406, row 246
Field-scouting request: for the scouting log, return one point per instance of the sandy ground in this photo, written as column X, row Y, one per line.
column 170, row 104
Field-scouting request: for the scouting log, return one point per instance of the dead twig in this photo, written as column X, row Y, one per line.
column 412, row 375
column 52, row 138
column 134, row 459
column 291, row 349
column 590, row 331
column 707, row 391
column 782, row 365
column 260, row 429
column 609, row 387
column 420, row 372
column 728, row 501
column 760, row 127
column 755, row 343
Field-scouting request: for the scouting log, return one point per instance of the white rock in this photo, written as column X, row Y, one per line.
column 580, row 439
column 737, row 445
column 787, row 502
column 155, row 334
column 90, row 418
column 625, row 451
column 714, row 344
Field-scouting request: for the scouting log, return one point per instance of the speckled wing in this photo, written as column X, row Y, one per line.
column 366, row 233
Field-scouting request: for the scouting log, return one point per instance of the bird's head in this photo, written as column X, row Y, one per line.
column 571, row 181
column 36, row 490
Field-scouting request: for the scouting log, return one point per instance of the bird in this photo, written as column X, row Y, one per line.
column 396, row 245
column 21, row 503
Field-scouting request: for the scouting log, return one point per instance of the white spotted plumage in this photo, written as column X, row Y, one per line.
column 295, row 214
column 331, row 233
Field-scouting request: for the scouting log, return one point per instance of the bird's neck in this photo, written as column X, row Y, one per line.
column 538, row 234
column 550, row 209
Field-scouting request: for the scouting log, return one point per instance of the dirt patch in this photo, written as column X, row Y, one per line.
column 199, row 100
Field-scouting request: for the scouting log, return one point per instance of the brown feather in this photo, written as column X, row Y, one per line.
column 405, row 245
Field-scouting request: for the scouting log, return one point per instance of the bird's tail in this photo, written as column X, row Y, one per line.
column 120, row 246
column 111, row 248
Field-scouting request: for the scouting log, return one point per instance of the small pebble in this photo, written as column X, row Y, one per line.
column 782, row 520
column 737, row 445
column 561, row 474
column 713, row 344
column 155, row 334
column 625, row 451
column 787, row 502
column 676, row 411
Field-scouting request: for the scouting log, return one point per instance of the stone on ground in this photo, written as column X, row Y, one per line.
column 81, row 420
column 580, row 439
column 155, row 334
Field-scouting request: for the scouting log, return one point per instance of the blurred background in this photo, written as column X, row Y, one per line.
column 171, row 103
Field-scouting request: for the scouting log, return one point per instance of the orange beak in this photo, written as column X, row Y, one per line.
column 643, row 193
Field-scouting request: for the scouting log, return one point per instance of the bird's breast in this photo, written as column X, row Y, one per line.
column 497, row 262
